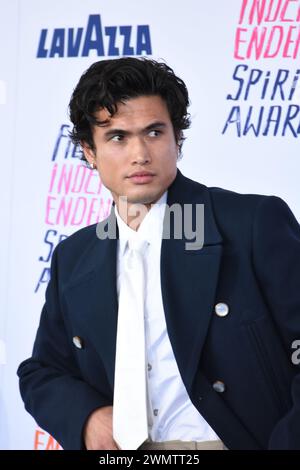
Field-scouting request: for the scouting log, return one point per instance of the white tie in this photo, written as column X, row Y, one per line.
column 130, row 425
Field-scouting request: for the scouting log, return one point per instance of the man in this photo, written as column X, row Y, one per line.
column 220, row 321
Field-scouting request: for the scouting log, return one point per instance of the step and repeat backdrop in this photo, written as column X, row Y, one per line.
column 240, row 61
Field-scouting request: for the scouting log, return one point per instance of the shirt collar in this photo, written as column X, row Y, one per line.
column 150, row 229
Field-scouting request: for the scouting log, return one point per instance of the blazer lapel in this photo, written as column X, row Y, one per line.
column 91, row 296
column 189, row 280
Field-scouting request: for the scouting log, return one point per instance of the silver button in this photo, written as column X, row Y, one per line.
column 149, row 367
column 221, row 309
column 78, row 342
column 155, row 412
column 219, row 386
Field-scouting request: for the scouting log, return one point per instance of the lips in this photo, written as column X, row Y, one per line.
column 141, row 173
column 141, row 177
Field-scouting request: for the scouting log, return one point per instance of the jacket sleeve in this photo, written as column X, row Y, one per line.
column 50, row 381
column 276, row 252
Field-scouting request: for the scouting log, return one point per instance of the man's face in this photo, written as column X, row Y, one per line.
column 138, row 139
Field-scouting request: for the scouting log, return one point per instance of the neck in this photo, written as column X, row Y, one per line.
column 132, row 213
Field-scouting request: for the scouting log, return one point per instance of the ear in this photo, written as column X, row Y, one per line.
column 88, row 153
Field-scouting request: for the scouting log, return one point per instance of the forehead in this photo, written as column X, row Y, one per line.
column 135, row 111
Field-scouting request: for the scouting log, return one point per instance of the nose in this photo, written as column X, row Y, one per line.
column 139, row 152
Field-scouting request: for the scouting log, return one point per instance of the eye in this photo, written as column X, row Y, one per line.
column 154, row 133
column 117, row 138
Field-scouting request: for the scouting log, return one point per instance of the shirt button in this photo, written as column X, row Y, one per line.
column 149, row 367
column 155, row 412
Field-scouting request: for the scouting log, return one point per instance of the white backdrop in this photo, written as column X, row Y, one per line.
column 214, row 46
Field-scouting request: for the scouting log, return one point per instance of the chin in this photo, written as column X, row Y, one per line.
column 145, row 197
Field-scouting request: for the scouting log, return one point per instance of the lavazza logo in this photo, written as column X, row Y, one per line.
column 105, row 40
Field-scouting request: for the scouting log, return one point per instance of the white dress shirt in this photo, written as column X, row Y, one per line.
column 171, row 414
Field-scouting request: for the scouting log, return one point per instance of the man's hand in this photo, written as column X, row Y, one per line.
column 98, row 433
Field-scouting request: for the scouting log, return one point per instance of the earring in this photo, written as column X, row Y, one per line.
column 92, row 166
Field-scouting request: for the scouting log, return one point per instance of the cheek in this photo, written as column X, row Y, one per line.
column 106, row 161
column 110, row 171
column 170, row 156
column 169, row 148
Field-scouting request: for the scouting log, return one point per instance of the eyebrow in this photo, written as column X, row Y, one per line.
column 153, row 125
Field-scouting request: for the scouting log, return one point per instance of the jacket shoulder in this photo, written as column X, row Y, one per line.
column 235, row 212
column 78, row 240
column 225, row 198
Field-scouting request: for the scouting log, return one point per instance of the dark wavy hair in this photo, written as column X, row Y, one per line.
column 109, row 82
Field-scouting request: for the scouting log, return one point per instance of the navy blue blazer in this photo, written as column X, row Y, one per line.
column 250, row 261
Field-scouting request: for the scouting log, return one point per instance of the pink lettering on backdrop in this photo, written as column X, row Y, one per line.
column 268, row 29
column 75, row 192
column 75, row 199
